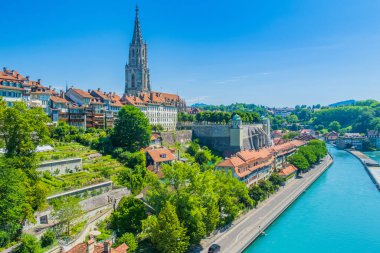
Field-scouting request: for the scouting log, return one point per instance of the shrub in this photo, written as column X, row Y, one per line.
column 4, row 238
column 47, row 239
column 29, row 244
column 130, row 240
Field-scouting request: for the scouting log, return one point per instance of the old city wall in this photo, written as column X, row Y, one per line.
column 216, row 137
column 181, row 136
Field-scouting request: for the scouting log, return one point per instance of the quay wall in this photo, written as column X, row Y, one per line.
column 373, row 171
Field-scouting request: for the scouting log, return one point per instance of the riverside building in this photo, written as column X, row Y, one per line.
column 251, row 166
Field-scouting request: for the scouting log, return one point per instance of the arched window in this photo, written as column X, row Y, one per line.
column 133, row 53
column 133, row 81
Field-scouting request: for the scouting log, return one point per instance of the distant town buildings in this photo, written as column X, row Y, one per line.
column 282, row 112
column 351, row 140
column 374, row 138
column 96, row 108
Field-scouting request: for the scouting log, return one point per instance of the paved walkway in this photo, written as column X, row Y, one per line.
column 248, row 227
column 371, row 166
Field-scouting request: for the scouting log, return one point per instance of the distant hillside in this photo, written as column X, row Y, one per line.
column 343, row 103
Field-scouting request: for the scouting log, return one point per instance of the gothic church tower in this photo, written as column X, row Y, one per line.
column 136, row 70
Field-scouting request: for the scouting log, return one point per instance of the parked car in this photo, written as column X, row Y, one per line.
column 214, row 248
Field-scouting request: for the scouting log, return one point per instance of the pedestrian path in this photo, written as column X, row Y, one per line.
column 251, row 225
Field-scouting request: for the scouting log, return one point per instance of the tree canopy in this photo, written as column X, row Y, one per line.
column 132, row 130
column 166, row 231
column 128, row 216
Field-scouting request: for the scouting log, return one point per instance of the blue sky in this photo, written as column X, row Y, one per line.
column 276, row 53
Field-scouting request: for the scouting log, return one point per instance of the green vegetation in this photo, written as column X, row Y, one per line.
column 29, row 244
column 132, row 130
column 21, row 130
column 360, row 117
column 166, row 232
column 128, row 216
column 66, row 211
column 219, row 117
column 261, row 110
column 130, row 240
column 308, row 155
column 47, row 239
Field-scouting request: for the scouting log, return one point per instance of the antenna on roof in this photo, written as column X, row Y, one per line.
column 66, row 86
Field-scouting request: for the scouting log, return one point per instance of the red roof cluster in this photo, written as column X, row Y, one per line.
column 247, row 161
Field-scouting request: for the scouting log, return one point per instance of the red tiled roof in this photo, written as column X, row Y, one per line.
column 82, row 93
column 161, row 155
column 79, row 248
column 289, row 169
column 122, row 248
column 56, row 99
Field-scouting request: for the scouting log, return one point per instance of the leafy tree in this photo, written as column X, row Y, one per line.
column 299, row 161
column 14, row 207
column 29, row 244
column 48, row 238
column 193, row 148
column 257, row 194
column 134, row 179
column 130, row 240
column 132, row 129
column 66, row 210
column 166, row 232
column 61, row 130
column 131, row 160
column 276, row 180
column 292, row 119
column 4, row 239
column 266, row 186
column 309, row 153
column 22, row 129
column 128, row 216
column 335, row 126
column 202, row 157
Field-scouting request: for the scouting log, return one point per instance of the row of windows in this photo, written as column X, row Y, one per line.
column 11, row 84
column 10, row 94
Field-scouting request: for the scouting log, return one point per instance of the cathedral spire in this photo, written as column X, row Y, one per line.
column 137, row 35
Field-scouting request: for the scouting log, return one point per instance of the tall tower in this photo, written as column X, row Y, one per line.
column 136, row 70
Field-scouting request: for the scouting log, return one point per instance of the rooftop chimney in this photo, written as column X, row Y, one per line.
column 39, row 81
column 5, row 69
column 89, row 91
column 27, row 78
column 107, row 246
column 98, row 89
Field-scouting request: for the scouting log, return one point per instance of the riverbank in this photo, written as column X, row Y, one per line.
column 372, row 167
column 248, row 227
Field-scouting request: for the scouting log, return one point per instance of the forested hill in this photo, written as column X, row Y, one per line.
column 359, row 117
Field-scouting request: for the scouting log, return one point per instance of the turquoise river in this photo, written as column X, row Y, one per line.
column 340, row 212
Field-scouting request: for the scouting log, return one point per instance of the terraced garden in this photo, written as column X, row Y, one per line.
column 96, row 168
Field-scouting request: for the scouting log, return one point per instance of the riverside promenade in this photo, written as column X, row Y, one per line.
column 250, row 225
column 371, row 166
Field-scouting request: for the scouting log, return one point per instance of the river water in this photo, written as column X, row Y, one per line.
column 340, row 212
